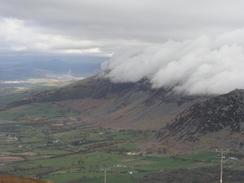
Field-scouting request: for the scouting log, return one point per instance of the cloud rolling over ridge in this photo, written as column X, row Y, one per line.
column 205, row 65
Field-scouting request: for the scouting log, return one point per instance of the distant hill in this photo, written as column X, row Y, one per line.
column 21, row 67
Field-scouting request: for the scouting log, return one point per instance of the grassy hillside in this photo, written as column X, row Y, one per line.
column 38, row 110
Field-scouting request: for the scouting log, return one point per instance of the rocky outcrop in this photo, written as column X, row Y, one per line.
column 217, row 113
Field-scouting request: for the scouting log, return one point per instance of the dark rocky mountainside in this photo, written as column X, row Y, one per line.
column 101, row 88
column 213, row 115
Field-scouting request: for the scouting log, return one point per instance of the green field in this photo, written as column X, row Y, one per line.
column 51, row 143
column 44, row 110
column 83, row 152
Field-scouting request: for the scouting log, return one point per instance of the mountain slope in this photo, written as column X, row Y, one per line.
column 117, row 105
column 212, row 115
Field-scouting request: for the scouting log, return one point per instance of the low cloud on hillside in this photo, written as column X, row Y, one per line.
column 205, row 65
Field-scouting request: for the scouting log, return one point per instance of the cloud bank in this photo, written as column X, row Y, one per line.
column 133, row 30
column 205, row 65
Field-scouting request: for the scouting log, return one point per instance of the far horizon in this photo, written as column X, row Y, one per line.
column 21, row 67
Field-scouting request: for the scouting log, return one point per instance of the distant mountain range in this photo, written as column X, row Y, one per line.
column 19, row 67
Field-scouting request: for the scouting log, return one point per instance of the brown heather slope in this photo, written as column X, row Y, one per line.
column 13, row 179
column 117, row 105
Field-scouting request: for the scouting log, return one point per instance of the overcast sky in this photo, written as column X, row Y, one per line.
column 147, row 34
column 91, row 25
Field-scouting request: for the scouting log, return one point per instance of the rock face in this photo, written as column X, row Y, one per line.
column 215, row 114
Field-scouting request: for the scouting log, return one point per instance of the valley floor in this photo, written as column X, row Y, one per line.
column 75, row 152
column 48, row 142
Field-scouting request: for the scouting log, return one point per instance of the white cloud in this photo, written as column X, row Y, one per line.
column 138, row 32
column 204, row 65
column 18, row 35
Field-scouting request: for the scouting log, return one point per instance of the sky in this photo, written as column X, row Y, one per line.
column 191, row 46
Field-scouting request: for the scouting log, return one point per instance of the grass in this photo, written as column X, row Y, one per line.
column 202, row 156
column 45, row 110
column 77, row 166
column 56, row 157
